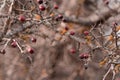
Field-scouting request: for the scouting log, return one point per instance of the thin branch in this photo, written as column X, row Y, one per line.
column 113, row 77
column 97, row 16
column 104, row 77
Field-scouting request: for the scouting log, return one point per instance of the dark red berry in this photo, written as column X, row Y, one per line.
column 42, row 8
column 56, row 7
column 33, row 39
column 57, row 19
column 72, row 32
column 64, row 20
column 13, row 44
column 83, row 56
column 21, row 18
column 60, row 16
column 40, row 1
column 72, row 51
column 66, row 28
column 30, row 50
column 86, row 56
column 86, row 33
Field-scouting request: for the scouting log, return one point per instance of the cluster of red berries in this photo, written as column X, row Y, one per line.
column 29, row 50
column 41, row 6
column 22, row 18
column 84, row 56
column 81, row 56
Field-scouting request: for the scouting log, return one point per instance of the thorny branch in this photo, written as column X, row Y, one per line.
column 97, row 16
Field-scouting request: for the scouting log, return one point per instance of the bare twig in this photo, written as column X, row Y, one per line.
column 104, row 77
column 97, row 16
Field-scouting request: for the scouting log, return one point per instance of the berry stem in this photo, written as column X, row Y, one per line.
column 8, row 40
column 21, row 50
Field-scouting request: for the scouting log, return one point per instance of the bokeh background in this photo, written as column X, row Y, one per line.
column 52, row 60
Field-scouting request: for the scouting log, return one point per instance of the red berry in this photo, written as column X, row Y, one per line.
column 13, row 44
column 72, row 51
column 66, row 28
column 60, row 16
column 86, row 33
column 21, row 18
column 40, row 1
column 64, row 20
column 83, row 56
column 33, row 39
column 72, row 33
column 30, row 50
column 42, row 8
column 57, row 19
column 56, row 7
column 86, row 56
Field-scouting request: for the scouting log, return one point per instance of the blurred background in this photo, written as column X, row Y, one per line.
column 53, row 60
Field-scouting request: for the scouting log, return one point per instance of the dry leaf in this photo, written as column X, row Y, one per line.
column 82, row 29
column 117, row 68
column 32, row 8
column 88, row 39
column 58, row 38
column 103, row 62
column 118, row 28
column 24, row 37
column 112, row 46
column 63, row 31
column 44, row 73
column 52, row 14
column 37, row 17
column 70, row 25
column 110, row 38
